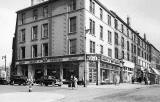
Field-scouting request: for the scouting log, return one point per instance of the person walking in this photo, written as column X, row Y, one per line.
column 75, row 82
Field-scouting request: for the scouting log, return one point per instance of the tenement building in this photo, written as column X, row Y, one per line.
column 81, row 38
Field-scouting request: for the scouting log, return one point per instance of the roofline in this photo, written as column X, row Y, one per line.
column 154, row 47
column 37, row 5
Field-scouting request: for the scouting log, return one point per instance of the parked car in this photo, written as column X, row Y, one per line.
column 48, row 80
column 20, row 80
column 3, row 81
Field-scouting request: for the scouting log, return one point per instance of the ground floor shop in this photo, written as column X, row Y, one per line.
column 90, row 69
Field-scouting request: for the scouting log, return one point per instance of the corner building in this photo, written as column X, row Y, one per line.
column 79, row 37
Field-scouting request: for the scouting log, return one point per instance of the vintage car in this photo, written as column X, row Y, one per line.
column 3, row 81
column 48, row 80
column 20, row 80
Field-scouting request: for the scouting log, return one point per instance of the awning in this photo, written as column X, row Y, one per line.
column 156, row 71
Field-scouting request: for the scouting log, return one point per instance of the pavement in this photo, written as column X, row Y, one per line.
column 30, row 97
column 64, row 93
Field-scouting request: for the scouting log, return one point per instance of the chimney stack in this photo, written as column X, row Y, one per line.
column 144, row 36
column 128, row 21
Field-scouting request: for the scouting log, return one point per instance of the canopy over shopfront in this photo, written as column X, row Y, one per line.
column 156, row 71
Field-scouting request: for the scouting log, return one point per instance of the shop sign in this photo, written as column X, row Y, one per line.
column 22, row 62
column 47, row 60
column 91, row 58
column 110, row 60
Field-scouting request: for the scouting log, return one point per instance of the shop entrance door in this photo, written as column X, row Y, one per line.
column 38, row 74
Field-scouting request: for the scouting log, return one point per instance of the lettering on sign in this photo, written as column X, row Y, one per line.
column 110, row 60
column 92, row 58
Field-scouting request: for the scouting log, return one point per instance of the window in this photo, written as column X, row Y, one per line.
column 142, row 53
column 116, row 53
column 45, row 30
column 110, row 37
column 22, row 35
column 122, row 28
column 101, row 13
column 35, row 14
column 122, row 54
column 92, row 27
column 92, row 7
column 139, row 50
column 128, row 45
column 127, row 32
column 145, row 56
column 22, row 52
column 73, row 5
column 116, row 24
column 122, row 42
column 138, row 41
column 34, row 51
column 110, row 52
column 92, row 47
column 128, row 56
column 34, row 32
column 72, row 24
column 101, row 49
column 22, row 18
column 132, row 48
column 134, row 37
column 116, row 38
column 72, row 46
column 45, row 11
column 101, row 32
column 109, row 20
column 45, row 49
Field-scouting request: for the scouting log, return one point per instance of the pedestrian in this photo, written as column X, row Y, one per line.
column 72, row 81
column 75, row 82
column 114, row 78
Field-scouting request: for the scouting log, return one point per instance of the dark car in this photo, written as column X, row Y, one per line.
column 20, row 80
column 3, row 81
column 48, row 80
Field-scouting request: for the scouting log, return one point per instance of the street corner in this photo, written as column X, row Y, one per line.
column 30, row 97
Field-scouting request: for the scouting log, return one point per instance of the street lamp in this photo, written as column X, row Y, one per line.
column 85, row 32
column 4, row 57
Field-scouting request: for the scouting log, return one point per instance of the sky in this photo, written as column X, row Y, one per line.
column 144, row 14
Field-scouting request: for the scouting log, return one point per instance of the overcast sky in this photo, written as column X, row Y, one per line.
column 144, row 14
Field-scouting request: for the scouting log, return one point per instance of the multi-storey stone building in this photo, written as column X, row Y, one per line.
column 79, row 37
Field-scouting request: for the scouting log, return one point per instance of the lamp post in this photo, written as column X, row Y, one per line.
column 85, row 32
column 4, row 57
